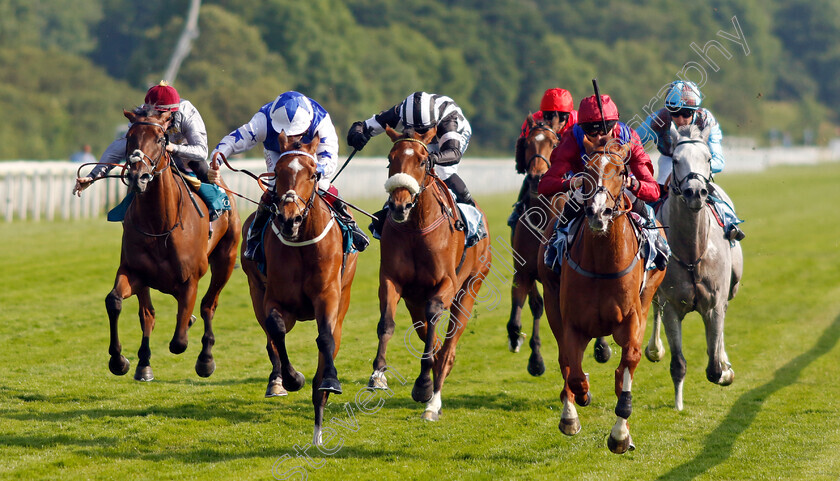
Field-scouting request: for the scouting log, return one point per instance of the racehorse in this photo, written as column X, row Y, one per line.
column 165, row 247
column 423, row 260
column 706, row 269
column 307, row 275
column 602, row 290
column 540, row 142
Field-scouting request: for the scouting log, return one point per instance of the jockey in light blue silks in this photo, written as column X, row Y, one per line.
column 296, row 115
column 682, row 107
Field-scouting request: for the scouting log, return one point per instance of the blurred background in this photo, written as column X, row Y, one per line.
column 67, row 69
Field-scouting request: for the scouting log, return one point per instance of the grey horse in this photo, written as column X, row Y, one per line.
column 705, row 269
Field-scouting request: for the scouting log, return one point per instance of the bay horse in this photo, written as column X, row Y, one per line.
column 423, row 260
column 307, row 275
column 542, row 139
column 602, row 290
column 165, row 247
column 706, row 270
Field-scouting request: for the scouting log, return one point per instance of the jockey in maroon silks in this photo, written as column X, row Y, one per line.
column 557, row 110
column 567, row 158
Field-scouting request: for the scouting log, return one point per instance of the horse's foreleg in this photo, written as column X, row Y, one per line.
column 572, row 357
column 654, row 350
column 118, row 364
column 389, row 296
column 143, row 372
column 186, row 302
column 536, row 365
column 328, row 343
column 672, row 320
column 276, row 328
column 629, row 335
column 425, row 320
column 719, row 370
column 518, row 295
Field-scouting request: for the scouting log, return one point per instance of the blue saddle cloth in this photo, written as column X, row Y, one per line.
column 213, row 196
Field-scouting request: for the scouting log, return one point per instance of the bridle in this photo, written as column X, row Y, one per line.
column 133, row 158
column 307, row 206
column 427, row 170
column 554, row 143
column 676, row 183
column 616, row 211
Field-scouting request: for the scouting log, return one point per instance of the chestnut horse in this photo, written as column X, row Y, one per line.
column 540, row 142
column 602, row 290
column 308, row 276
column 165, row 247
column 424, row 262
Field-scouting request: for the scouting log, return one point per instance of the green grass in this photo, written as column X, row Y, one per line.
column 64, row 416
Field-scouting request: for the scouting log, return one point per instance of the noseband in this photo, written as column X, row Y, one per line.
column 153, row 163
column 426, row 173
column 308, row 205
column 602, row 189
column 676, row 183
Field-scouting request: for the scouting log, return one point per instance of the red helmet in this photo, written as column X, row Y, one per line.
column 559, row 100
column 163, row 97
column 588, row 110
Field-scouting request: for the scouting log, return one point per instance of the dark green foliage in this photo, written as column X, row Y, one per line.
column 357, row 57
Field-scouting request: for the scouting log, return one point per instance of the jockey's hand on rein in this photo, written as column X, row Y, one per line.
column 633, row 184
column 82, row 183
column 357, row 136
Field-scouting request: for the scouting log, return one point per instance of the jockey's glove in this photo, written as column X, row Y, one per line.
column 358, row 135
column 633, row 185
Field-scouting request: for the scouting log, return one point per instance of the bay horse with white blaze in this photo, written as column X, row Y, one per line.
column 307, row 275
column 602, row 290
column 424, row 261
column 165, row 247
column 706, row 269
column 525, row 240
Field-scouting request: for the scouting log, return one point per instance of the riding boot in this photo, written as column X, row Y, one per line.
column 662, row 252
column 519, row 206
column 462, row 194
column 735, row 233
column 571, row 210
column 360, row 239
column 252, row 243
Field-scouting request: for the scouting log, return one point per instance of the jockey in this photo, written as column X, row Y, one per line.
column 187, row 142
column 296, row 115
column 557, row 109
column 567, row 158
column 682, row 107
column 421, row 111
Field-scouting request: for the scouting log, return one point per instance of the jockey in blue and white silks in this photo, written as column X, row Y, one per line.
column 294, row 114
column 682, row 107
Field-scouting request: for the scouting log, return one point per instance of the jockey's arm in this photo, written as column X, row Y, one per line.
column 450, row 142
column 642, row 169
column 195, row 133
column 113, row 156
column 646, row 132
column 243, row 138
column 327, row 151
column 715, row 138
column 554, row 181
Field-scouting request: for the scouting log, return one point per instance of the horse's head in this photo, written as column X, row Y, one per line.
column 295, row 183
column 145, row 147
column 541, row 141
column 603, row 182
column 692, row 168
column 408, row 170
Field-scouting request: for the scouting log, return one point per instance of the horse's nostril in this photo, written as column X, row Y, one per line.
column 590, row 211
column 608, row 211
column 298, row 219
column 704, row 192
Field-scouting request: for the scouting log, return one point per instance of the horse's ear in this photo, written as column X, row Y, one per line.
column 673, row 133
column 429, row 135
column 312, row 146
column 282, row 139
column 588, row 145
column 704, row 134
column 393, row 134
column 130, row 115
column 165, row 117
column 531, row 121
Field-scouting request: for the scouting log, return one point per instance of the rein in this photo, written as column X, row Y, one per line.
column 306, row 208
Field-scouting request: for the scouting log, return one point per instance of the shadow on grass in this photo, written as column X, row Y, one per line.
column 718, row 445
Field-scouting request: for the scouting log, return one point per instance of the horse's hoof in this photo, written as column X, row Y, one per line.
column 275, row 388
column 602, row 351
column 652, row 356
column 192, row 321
column 536, row 366
column 727, row 377
column 176, row 347
column 118, row 365
column 296, row 382
column 330, row 385
column 583, row 400
column 205, row 369
column 430, row 416
column 143, row 373
column 378, row 381
column 515, row 345
column 620, row 447
column 422, row 390
column 569, row 427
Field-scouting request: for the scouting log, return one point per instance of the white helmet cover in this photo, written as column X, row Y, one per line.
column 291, row 113
column 683, row 94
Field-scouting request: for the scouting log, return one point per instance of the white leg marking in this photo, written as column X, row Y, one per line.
column 569, row 411
column 678, row 396
column 435, row 403
column 628, row 381
column 619, row 430
column 316, row 437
